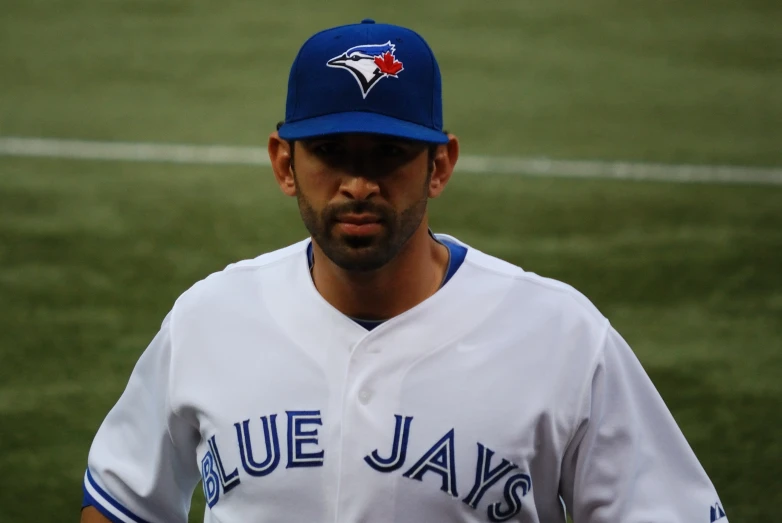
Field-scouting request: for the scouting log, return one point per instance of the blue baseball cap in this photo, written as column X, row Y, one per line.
column 365, row 78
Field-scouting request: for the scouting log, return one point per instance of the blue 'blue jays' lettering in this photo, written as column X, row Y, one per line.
column 272, row 442
column 210, row 480
column 298, row 437
column 398, row 448
column 303, row 451
column 228, row 481
column 213, row 471
column 512, row 498
column 485, row 476
column 440, row 460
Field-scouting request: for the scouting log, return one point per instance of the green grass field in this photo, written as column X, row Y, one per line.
column 93, row 254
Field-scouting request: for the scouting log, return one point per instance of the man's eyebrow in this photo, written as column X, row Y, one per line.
column 401, row 141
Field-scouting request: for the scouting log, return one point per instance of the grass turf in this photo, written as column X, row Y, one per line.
column 93, row 255
column 663, row 81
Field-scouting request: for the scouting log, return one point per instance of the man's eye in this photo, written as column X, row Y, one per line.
column 392, row 151
column 327, row 149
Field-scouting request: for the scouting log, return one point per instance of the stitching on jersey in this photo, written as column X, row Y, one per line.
column 541, row 281
column 460, row 334
column 585, row 387
column 251, row 265
column 258, row 263
column 170, row 386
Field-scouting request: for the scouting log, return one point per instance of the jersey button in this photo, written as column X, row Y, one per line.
column 364, row 395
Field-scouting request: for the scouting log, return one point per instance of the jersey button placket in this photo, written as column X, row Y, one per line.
column 365, row 352
column 364, row 396
column 358, row 393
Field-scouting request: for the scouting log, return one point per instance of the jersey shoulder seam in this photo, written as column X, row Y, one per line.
column 251, row 264
column 588, row 380
column 541, row 281
column 257, row 263
column 240, row 266
column 170, row 384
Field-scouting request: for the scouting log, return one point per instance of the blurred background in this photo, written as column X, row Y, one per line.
column 93, row 252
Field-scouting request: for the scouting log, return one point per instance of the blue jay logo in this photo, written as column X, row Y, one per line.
column 369, row 64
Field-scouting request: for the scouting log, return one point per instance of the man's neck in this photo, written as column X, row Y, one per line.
column 410, row 278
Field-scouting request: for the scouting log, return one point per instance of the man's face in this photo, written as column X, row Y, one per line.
column 361, row 197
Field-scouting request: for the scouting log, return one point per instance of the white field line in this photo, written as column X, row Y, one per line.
column 231, row 155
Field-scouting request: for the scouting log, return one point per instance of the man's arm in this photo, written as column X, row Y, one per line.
column 142, row 462
column 91, row 515
column 628, row 460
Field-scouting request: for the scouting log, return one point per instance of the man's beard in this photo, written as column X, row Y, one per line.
column 361, row 253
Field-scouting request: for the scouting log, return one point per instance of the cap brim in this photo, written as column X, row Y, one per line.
column 360, row 122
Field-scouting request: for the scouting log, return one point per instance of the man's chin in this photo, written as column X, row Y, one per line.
column 360, row 242
column 360, row 256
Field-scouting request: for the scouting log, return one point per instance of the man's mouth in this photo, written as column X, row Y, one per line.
column 359, row 219
column 359, row 224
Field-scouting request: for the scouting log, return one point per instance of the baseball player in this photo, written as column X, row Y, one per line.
column 376, row 371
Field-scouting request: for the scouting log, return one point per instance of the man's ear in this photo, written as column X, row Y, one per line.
column 281, row 157
column 445, row 159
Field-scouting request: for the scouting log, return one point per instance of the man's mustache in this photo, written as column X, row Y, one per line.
column 333, row 212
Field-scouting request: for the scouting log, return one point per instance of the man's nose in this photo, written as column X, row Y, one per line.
column 359, row 187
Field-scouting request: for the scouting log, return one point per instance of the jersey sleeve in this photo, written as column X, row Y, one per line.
column 142, row 462
column 628, row 460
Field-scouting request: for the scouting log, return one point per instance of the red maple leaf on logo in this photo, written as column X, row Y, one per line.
column 388, row 64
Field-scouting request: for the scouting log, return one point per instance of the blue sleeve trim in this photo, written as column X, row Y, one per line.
column 90, row 500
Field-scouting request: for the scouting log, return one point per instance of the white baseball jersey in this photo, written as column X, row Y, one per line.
column 498, row 398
